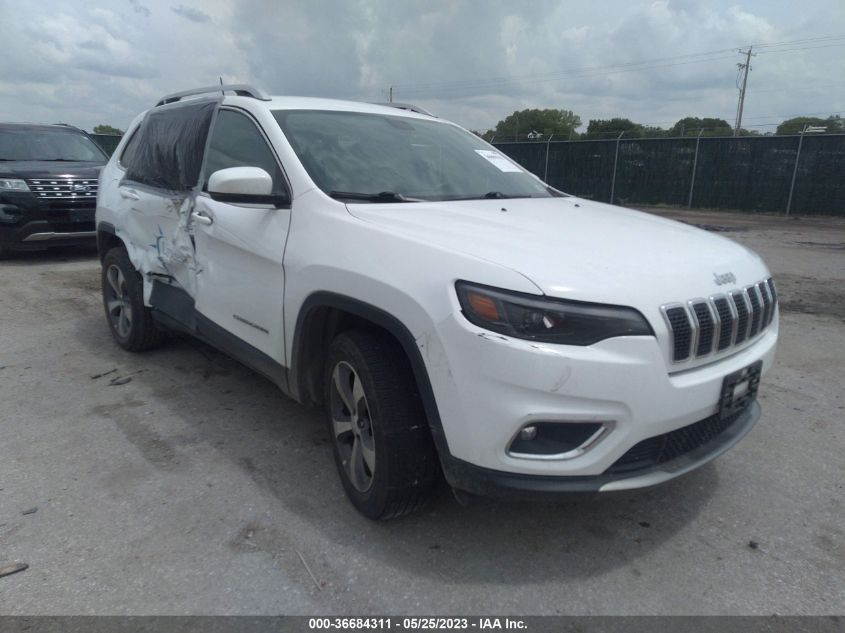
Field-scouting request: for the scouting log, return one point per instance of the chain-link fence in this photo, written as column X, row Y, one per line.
column 774, row 174
column 757, row 173
column 108, row 142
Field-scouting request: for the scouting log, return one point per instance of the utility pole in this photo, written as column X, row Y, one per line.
column 390, row 96
column 615, row 161
column 743, row 68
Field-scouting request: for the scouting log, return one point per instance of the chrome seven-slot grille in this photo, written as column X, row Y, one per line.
column 63, row 188
column 706, row 326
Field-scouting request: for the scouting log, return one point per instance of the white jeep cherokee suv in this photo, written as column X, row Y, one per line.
column 449, row 310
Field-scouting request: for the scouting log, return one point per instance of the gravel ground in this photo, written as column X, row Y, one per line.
column 179, row 482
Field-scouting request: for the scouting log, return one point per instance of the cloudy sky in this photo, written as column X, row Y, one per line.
column 472, row 61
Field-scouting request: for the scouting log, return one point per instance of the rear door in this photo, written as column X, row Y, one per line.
column 239, row 248
column 162, row 164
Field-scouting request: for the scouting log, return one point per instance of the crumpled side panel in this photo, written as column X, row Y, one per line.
column 162, row 245
column 180, row 248
column 164, row 173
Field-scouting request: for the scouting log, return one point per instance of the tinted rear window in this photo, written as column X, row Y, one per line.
column 170, row 146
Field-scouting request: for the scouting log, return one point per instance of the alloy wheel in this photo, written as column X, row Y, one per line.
column 352, row 426
column 118, row 303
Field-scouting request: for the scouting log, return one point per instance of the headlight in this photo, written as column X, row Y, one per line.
column 13, row 184
column 548, row 320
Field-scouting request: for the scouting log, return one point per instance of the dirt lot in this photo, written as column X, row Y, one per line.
column 179, row 482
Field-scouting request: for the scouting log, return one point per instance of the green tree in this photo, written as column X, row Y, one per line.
column 611, row 128
column 651, row 131
column 690, row 126
column 831, row 125
column 107, row 129
column 550, row 121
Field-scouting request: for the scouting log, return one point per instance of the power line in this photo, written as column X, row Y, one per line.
column 659, row 62
column 556, row 73
column 803, row 48
column 574, row 73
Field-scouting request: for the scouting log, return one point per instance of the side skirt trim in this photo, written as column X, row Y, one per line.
column 175, row 309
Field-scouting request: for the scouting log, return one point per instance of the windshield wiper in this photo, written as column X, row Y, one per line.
column 491, row 195
column 62, row 160
column 382, row 196
column 498, row 195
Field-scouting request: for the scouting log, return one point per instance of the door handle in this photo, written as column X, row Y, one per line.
column 202, row 217
column 129, row 194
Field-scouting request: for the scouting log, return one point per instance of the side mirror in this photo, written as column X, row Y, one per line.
column 244, row 185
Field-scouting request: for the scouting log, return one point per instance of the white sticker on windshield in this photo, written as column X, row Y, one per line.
column 497, row 159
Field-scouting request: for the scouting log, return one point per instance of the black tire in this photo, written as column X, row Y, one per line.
column 4, row 252
column 391, row 428
column 131, row 322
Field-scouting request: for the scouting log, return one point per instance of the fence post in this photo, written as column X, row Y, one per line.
column 546, row 170
column 795, row 171
column 694, row 165
column 615, row 160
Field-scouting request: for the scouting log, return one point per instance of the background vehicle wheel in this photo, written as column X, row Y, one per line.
column 382, row 444
column 130, row 321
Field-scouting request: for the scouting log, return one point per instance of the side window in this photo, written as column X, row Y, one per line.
column 130, row 149
column 171, row 143
column 237, row 142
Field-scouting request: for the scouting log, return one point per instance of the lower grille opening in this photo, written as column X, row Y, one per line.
column 71, row 227
column 663, row 448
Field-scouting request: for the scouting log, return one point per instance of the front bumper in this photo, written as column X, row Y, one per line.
column 504, row 485
column 27, row 223
column 488, row 386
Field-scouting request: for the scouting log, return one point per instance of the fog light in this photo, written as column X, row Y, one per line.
column 10, row 214
column 556, row 440
column 528, row 433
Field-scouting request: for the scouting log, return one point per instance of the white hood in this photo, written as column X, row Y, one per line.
column 578, row 249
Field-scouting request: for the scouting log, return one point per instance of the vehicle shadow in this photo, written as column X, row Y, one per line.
column 54, row 254
column 285, row 450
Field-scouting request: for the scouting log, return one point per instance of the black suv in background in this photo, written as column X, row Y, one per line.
column 48, row 186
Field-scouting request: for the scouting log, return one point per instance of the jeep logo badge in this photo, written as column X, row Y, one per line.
column 724, row 278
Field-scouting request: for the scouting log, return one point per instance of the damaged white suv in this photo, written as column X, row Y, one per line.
column 450, row 311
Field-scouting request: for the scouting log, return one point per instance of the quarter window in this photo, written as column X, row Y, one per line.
column 130, row 150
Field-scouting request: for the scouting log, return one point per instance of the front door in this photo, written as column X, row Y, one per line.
column 239, row 248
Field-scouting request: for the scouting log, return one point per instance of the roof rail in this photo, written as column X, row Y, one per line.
column 405, row 106
column 242, row 90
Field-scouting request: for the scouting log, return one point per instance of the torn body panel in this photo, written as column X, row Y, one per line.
column 158, row 235
column 158, row 181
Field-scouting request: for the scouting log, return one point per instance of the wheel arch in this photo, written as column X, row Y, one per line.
column 107, row 239
column 322, row 316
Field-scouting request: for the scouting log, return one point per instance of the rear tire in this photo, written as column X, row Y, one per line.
column 382, row 444
column 130, row 321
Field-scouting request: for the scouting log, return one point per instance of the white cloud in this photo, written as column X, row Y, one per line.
column 190, row 13
column 104, row 61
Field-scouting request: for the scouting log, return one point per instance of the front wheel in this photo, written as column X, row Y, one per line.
column 382, row 444
column 130, row 321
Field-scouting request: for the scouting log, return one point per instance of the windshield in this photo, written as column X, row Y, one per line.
column 40, row 144
column 383, row 158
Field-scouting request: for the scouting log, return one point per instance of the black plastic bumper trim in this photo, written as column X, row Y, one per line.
column 505, row 485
